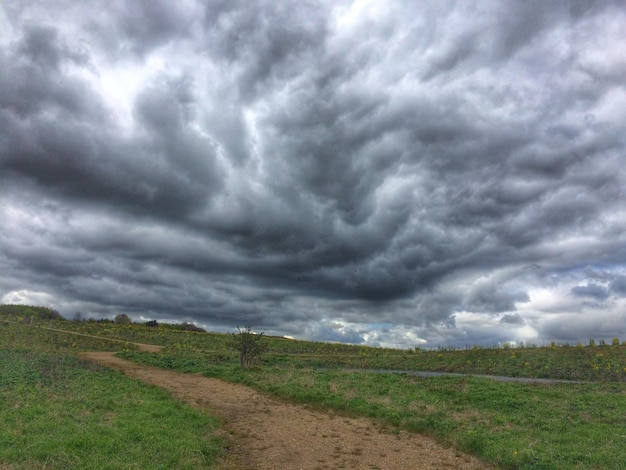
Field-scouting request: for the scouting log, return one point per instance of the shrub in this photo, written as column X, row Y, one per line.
column 249, row 346
column 122, row 318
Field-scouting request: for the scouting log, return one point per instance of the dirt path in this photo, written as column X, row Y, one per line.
column 271, row 434
column 141, row 346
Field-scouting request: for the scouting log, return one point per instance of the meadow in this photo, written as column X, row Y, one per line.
column 60, row 412
column 511, row 425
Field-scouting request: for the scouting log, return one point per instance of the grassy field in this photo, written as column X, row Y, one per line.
column 600, row 363
column 59, row 412
column 512, row 425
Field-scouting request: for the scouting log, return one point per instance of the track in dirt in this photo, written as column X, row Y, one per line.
column 270, row 434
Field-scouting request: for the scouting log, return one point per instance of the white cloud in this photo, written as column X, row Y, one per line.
column 26, row 297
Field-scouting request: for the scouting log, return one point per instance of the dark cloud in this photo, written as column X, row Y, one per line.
column 37, row 84
column 581, row 328
column 131, row 32
column 60, row 135
column 592, row 290
column 618, row 286
column 512, row 319
column 351, row 171
column 490, row 297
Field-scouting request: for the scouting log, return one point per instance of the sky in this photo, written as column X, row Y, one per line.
column 399, row 174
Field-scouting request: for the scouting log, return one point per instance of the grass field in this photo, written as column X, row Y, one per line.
column 512, row 425
column 58, row 412
column 603, row 362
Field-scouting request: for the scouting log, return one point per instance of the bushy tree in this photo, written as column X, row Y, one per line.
column 122, row 318
column 249, row 345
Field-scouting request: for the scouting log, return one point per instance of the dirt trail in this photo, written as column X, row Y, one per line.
column 140, row 346
column 270, row 434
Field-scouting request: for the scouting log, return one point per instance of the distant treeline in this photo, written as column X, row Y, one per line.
column 27, row 312
column 43, row 313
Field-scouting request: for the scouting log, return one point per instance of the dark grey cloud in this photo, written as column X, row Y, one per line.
column 263, row 43
column 592, row 290
column 513, row 319
column 618, row 286
column 130, row 32
column 348, row 171
column 59, row 134
column 490, row 297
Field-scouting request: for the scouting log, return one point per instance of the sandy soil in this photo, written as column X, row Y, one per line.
column 266, row 433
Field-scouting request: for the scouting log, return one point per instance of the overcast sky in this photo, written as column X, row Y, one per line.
column 385, row 173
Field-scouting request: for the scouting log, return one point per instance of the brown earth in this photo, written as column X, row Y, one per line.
column 266, row 433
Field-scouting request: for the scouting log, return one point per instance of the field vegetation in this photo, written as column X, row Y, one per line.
column 59, row 412
column 512, row 425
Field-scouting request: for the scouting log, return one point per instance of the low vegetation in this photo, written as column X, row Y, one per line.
column 60, row 412
column 249, row 345
column 512, row 425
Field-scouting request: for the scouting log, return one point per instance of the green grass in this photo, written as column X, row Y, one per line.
column 513, row 425
column 59, row 412
column 606, row 363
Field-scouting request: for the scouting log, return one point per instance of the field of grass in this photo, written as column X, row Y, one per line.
column 512, row 425
column 59, row 412
column 599, row 363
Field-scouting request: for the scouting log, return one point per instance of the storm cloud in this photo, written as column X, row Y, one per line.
column 379, row 173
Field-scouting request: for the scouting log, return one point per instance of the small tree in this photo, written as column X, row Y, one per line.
column 249, row 346
column 122, row 318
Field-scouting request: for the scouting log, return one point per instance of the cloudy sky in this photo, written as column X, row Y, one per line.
column 392, row 173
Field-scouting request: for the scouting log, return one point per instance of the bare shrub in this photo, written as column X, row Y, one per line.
column 249, row 345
